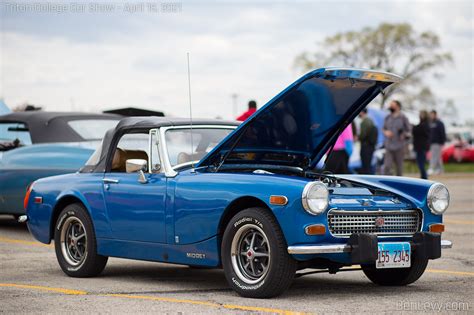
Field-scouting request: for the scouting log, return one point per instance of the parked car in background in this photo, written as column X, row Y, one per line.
column 250, row 200
column 459, row 147
column 460, row 152
column 37, row 144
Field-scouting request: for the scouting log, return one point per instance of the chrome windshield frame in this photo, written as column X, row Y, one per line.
column 169, row 170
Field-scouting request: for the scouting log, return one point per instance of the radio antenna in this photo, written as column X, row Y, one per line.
column 190, row 113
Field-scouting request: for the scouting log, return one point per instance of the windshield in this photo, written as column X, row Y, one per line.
column 13, row 132
column 178, row 143
column 95, row 157
column 92, row 129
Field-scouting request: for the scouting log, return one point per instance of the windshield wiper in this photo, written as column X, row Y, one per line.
column 226, row 155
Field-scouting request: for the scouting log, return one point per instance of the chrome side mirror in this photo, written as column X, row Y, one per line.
column 137, row 165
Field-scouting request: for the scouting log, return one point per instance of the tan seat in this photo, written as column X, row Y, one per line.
column 185, row 157
column 121, row 156
column 118, row 162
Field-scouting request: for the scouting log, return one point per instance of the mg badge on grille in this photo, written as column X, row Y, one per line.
column 379, row 221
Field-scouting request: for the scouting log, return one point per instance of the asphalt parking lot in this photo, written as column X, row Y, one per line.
column 32, row 282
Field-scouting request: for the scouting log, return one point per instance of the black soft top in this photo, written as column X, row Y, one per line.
column 98, row 162
column 48, row 127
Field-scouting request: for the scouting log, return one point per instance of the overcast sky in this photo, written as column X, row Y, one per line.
column 103, row 58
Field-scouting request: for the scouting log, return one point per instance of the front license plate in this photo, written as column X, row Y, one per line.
column 394, row 255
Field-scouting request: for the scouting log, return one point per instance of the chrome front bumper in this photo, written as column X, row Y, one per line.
column 337, row 248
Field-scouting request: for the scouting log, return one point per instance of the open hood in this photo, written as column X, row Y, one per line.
column 299, row 125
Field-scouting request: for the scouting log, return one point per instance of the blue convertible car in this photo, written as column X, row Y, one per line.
column 247, row 198
column 36, row 144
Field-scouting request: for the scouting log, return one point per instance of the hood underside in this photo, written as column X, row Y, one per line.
column 299, row 125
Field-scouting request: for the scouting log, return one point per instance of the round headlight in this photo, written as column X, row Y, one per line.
column 438, row 198
column 315, row 197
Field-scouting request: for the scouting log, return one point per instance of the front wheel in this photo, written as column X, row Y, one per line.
column 397, row 276
column 254, row 255
column 75, row 243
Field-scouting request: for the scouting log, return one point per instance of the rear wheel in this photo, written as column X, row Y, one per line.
column 397, row 276
column 75, row 243
column 254, row 255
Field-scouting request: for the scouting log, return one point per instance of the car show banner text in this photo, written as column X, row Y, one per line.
column 92, row 7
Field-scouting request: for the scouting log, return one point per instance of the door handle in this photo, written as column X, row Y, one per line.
column 110, row 181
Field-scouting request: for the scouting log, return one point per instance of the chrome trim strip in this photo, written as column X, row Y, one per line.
column 337, row 248
column 363, row 74
column 445, row 244
column 162, row 149
column 110, row 181
column 319, row 249
column 379, row 211
column 151, row 133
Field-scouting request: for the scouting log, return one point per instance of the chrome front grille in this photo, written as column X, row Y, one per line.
column 343, row 223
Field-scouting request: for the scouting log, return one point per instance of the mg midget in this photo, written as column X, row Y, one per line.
column 247, row 198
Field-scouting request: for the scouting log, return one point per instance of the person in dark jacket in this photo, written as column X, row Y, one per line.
column 368, row 139
column 438, row 138
column 421, row 142
column 396, row 129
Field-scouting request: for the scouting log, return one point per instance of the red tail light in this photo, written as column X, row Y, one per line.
column 27, row 195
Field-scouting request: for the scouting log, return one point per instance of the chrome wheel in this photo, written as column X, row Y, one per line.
column 250, row 254
column 73, row 241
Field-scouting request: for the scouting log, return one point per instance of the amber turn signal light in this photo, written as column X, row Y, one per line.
column 315, row 229
column 278, row 200
column 437, row 228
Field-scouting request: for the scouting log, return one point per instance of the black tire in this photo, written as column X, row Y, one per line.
column 69, row 223
column 397, row 276
column 265, row 276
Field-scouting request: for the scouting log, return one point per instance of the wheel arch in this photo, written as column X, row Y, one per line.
column 238, row 205
column 235, row 207
column 62, row 202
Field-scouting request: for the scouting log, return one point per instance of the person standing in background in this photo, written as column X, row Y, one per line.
column 251, row 109
column 438, row 138
column 368, row 139
column 396, row 130
column 421, row 142
column 338, row 160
